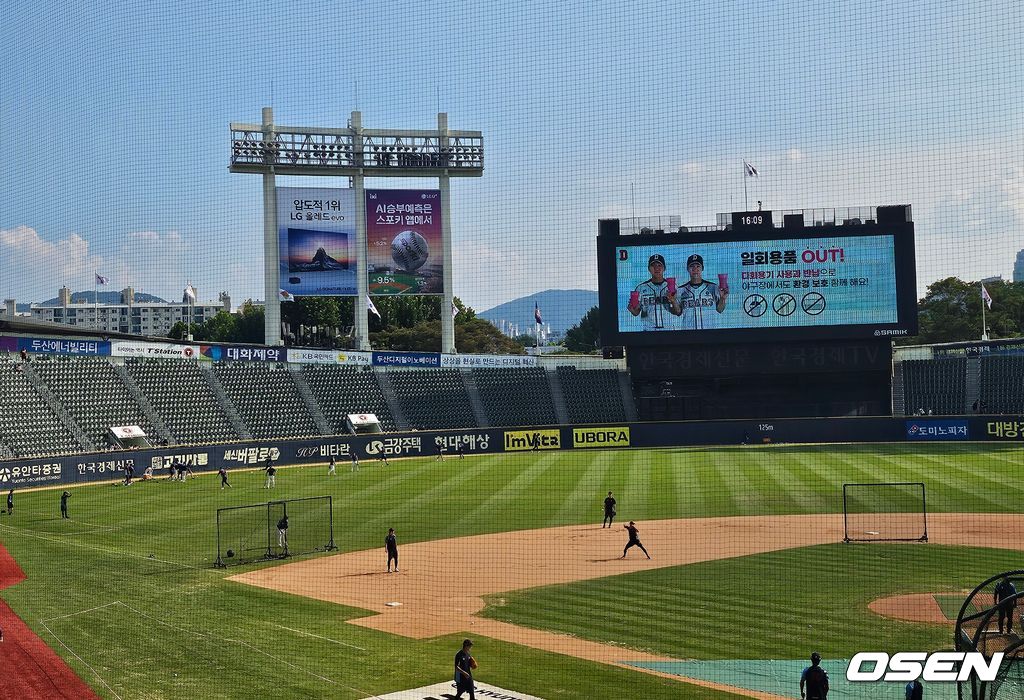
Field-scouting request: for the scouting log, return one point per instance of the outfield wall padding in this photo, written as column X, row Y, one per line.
column 107, row 466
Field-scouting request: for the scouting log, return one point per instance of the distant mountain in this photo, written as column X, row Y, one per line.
column 89, row 297
column 561, row 308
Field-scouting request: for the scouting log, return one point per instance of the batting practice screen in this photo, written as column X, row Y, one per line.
column 825, row 282
column 250, row 533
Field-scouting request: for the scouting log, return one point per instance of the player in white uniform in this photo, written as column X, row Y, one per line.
column 700, row 302
column 651, row 300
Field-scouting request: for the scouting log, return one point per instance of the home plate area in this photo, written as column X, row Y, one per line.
column 446, row 691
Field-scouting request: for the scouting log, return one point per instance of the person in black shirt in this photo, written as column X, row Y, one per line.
column 223, row 477
column 815, row 678
column 462, row 451
column 915, row 691
column 1003, row 597
column 391, row 545
column 634, row 540
column 10, row 502
column 271, row 475
column 64, row 504
column 282, row 533
column 464, row 665
column 609, row 511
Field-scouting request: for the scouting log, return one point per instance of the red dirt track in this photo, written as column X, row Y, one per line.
column 30, row 669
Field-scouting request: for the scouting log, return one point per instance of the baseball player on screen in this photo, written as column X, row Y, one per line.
column 652, row 299
column 698, row 298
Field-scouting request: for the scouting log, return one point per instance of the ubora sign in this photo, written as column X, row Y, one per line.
column 617, row 436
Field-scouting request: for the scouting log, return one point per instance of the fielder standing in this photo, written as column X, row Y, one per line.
column 464, row 665
column 332, row 466
column 391, row 545
column 282, row 533
column 609, row 511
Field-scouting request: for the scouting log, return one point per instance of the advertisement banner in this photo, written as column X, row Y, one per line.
column 403, row 239
column 43, row 472
column 524, row 440
column 757, row 284
column 1004, row 429
column 236, row 353
column 476, row 441
column 329, row 357
column 55, row 346
column 407, row 359
column 134, row 348
column 617, row 436
column 943, row 429
column 316, row 229
column 488, row 360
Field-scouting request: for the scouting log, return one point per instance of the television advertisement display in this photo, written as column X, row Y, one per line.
column 403, row 237
column 825, row 282
column 316, row 229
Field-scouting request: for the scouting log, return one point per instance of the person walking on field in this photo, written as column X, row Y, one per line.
column 223, row 472
column 355, row 462
column 464, row 665
column 609, row 511
column 64, row 504
column 271, row 475
column 10, row 502
column 814, row 680
column 634, row 540
column 332, row 466
column 391, row 545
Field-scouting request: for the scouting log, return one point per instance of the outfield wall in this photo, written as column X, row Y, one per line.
column 107, row 466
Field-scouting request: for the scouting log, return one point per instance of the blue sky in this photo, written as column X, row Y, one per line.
column 114, row 126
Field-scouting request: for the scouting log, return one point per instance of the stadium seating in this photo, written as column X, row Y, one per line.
column 266, row 398
column 939, row 386
column 28, row 427
column 181, row 396
column 341, row 390
column 92, row 392
column 519, row 396
column 1002, row 385
column 592, row 395
column 433, row 398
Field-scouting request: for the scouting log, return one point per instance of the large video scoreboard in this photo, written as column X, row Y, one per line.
column 758, row 283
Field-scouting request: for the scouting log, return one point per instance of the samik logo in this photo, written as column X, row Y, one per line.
column 600, row 437
column 942, row 666
column 521, row 440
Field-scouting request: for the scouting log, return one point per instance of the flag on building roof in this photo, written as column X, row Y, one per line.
column 100, row 279
column 536, row 313
column 749, row 169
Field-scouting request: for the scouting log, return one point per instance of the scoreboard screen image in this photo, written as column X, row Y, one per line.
column 825, row 282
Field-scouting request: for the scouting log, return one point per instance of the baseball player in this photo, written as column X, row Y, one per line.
column 391, row 545
column 10, row 502
column 698, row 298
column 223, row 474
column 271, row 471
column 332, row 467
column 1004, row 597
column 464, row 665
column 651, row 300
column 634, row 540
column 609, row 511
column 282, row 533
column 814, row 680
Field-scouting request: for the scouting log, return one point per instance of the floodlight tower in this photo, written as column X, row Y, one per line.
column 269, row 150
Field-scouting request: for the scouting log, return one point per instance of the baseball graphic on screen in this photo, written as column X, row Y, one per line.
column 409, row 250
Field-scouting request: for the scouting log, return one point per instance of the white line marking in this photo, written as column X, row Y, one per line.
column 317, row 636
column 71, row 651
column 80, row 612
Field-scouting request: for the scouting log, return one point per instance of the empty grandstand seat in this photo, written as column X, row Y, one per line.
column 936, row 385
column 592, row 395
column 28, row 427
column 340, row 390
column 516, row 396
column 433, row 398
column 181, row 395
column 1001, row 388
column 93, row 393
column 266, row 398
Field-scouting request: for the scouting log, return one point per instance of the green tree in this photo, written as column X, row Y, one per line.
column 585, row 336
column 222, row 328
column 951, row 311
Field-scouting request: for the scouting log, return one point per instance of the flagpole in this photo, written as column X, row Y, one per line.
column 984, row 331
column 746, row 207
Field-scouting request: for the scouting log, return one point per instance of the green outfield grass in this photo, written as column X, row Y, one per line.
column 162, row 612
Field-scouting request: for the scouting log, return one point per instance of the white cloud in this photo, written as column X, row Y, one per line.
column 795, row 155
column 692, row 168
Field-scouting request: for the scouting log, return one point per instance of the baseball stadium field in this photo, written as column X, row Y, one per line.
column 748, row 574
